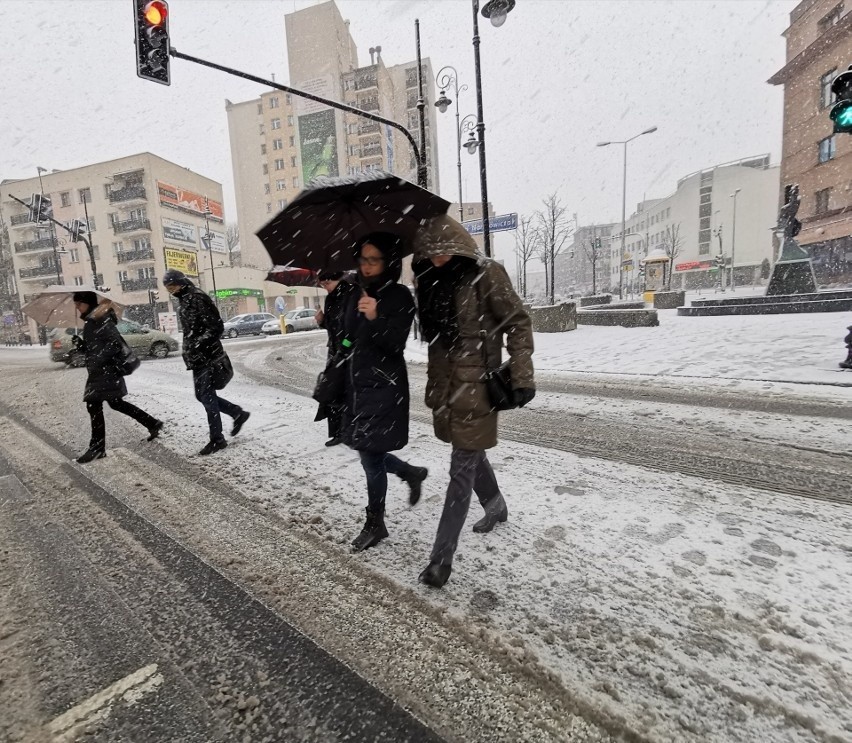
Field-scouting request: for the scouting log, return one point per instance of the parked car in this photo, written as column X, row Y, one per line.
column 301, row 319
column 143, row 341
column 246, row 324
column 271, row 327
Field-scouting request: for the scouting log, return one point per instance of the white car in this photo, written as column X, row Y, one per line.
column 271, row 327
column 301, row 319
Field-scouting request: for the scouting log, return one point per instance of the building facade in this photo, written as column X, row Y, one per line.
column 145, row 214
column 279, row 142
column 575, row 274
column 819, row 47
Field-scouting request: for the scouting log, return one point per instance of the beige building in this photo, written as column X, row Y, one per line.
column 280, row 141
column 145, row 214
column 819, row 47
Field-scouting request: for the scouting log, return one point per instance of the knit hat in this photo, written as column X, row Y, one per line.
column 173, row 276
column 89, row 298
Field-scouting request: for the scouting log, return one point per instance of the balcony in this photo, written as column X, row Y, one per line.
column 370, row 104
column 368, row 129
column 366, row 79
column 31, row 246
column 131, row 225
column 20, row 219
column 128, row 256
column 38, row 272
column 128, row 193
column 371, row 151
column 139, row 285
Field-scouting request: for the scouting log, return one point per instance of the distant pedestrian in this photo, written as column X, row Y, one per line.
column 104, row 348
column 847, row 364
column 376, row 322
column 466, row 304
column 204, row 355
column 338, row 290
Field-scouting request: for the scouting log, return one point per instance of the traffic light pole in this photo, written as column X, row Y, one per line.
column 419, row 156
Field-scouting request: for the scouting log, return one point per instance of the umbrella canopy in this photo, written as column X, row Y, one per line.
column 320, row 228
column 292, row 276
column 54, row 306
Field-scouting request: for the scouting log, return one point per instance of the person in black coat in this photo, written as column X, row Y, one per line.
column 202, row 352
column 103, row 347
column 376, row 322
column 331, row 318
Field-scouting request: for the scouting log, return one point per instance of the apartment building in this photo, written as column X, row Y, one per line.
column 145, row 214
column 573, row 266
column 279, row 141
column 819, row 47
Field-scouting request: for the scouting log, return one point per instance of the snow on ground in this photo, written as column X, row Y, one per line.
column 699, row 611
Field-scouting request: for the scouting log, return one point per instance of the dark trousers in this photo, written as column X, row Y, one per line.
column 469, row 471
column 96, row 413
column 335, row 420
column 206, row 395
column 376, row 466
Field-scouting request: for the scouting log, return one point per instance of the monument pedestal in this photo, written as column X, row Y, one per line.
column 792, row 277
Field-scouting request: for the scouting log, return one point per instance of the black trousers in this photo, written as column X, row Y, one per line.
column 205, row 393
column 96, row 413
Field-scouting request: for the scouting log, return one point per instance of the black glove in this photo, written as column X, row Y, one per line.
column 77, row 342
column 523, row 396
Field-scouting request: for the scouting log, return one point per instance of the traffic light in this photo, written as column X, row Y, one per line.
column 841, row 111
column 78, row 229
column 720, row 261
column 153, row 295
column 597, row 243
column 641, row 270
column 41, row 208
column 152, row 40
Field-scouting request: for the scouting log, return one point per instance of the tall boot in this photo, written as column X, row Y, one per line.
column 414, row 476
column 374, row 531
column 95, row 451
column 495, row 510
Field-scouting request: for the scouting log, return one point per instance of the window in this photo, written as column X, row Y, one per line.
column 263, row 149
column 85, row 195
column 832, row 18
column 282, row 203
column 277, row 144
column 293, row 161
column 289, row 121
column 280, row 185
column 266, row 188
column 265, row 169
column 90, row 224
column 269, row 208
column 822, row 201
column 288, row 99
column 260, row 111
column 295, row 182
column 827, row 149
column 276, row 123
column 78, row 281
column 142, row 243
column 826, row 97
column 74, row 255
column 117, row 248
column 122, row 276
column 273, row 102
column 292, row 141
column 470, row 210
column 65, row 198
column 137, row 215
column 262, row 129
column 279, row 164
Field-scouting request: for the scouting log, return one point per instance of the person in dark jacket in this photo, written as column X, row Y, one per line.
column 202, row 350
column 103, row 347
column 466, row 304
column 331, row 318
column 376, row 322
column 847, row 364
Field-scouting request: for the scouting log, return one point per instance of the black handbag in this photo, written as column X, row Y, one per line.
column 331, row 382
column 222, row 371
column 128, row 362
column 498, row 378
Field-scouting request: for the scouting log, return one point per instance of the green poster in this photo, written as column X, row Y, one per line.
column 318, row 140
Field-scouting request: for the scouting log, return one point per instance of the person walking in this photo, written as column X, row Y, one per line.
column 376, row 321
column 466, row 305
column 202, row 352
column 103, row 347
column 331, row 318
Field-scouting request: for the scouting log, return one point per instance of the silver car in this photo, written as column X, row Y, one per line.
column 144, row 341
column 301, row 319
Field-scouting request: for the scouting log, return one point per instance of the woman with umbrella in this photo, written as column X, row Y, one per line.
column 376, row 322
column 104, row 349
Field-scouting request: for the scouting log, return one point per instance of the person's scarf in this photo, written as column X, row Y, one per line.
column 436, row 298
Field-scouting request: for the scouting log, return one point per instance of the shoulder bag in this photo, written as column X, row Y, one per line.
column 497, row 377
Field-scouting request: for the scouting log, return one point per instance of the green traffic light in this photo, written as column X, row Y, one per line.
column 844, row 118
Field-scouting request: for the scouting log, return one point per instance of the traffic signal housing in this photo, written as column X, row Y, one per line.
column 78, row 230
column 152, row 40
column 41, row 208
column 841, row 111
column 720, row 261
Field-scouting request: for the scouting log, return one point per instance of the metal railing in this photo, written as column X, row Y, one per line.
column 371, row 104
column 370, row 151
column 137, row 285
column 17, row 219
column 368, row 129
column 37, row 272
column 44, row 243
column 127, row 193
column 126, row 256
column 131, row 225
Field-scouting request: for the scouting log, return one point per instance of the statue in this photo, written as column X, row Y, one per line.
column 793, row 272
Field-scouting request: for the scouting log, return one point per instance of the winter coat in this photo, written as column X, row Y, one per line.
column 104, row 347
column 484, row 300
column 202, row 327
column 375, row 417
column 332, row 321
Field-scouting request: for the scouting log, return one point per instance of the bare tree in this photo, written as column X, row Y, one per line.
column 525, row 244
column 232, row 239
column 672, row 243
column 554, row 229
column 593, row 249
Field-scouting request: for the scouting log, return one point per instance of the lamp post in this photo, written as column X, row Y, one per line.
column 496, row 11
column 625, row 142
column 208, row 239
column 734, row 237
column 446, row 77
column 52, row 228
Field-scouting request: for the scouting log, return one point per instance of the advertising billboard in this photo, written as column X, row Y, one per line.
column 182, row 260
column 179, row 232
column 183, row 200
column 318, row 144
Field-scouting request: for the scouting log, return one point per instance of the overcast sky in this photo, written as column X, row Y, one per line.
column 558, row 77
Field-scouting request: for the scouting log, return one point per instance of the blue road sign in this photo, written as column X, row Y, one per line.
column 495, row 224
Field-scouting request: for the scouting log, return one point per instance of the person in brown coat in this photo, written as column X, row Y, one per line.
column 466, row 305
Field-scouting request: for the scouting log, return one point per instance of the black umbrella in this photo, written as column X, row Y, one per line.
column 320, row 228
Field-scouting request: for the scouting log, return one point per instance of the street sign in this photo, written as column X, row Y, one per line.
column 495, row 224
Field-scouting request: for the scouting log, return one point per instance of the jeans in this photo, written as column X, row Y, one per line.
column 96, row 413
column 206, row 395
column 376, row 466
column 469, row 471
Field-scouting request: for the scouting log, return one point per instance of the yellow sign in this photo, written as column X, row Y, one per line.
column 182, row 260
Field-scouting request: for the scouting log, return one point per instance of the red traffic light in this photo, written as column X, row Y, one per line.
column 156, row 12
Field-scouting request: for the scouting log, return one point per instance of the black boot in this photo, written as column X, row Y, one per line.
column 154, row 431
column 213, row 446
column 92, row 453
column 374, row 531
column 414, row 476
column 848, row 363
column 491, row 517
column 435, row 575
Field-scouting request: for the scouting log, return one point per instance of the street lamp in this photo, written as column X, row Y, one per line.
column 734, row 237
column 52, row 228
column 448, row 76
column 625, row 142
column 208, row 239
column 496, row 11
